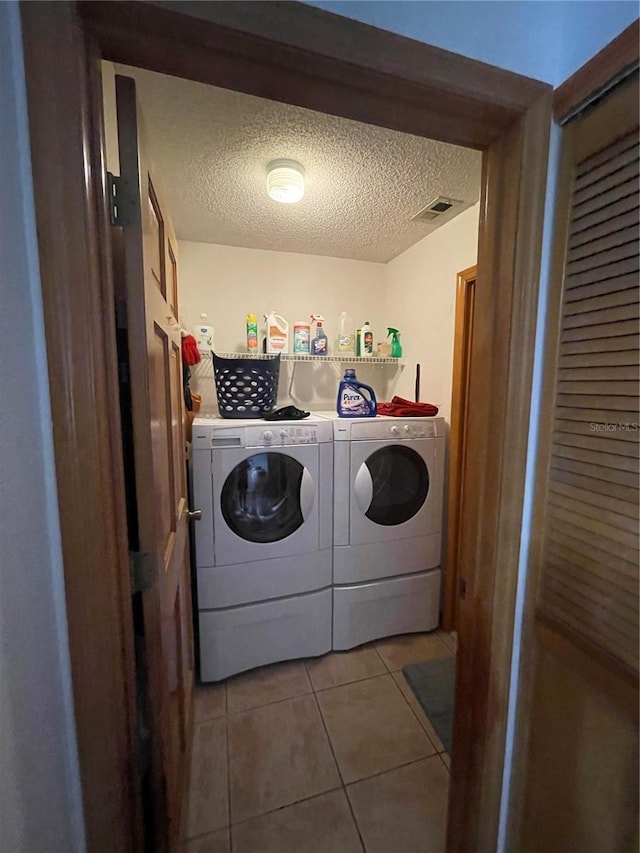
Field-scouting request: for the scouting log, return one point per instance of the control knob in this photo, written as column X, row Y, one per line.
column 267, row 435
column 395, row 430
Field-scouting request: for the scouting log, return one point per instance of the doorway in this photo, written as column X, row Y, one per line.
column 397, row 84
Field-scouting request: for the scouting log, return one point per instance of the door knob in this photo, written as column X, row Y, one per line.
column 194, row 515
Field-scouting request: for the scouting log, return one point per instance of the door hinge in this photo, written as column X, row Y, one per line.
column 120, row 200
column 143, row 571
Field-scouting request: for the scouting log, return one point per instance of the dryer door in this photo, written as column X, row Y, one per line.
column 265, row 503
column 396, row 489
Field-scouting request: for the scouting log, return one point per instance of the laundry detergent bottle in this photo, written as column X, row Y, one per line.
column 355, row 399
column 277, row 333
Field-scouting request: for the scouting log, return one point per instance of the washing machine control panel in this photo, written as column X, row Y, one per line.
column 283, row 435
column 211, row 432
column 392, row 428
column 410, row 430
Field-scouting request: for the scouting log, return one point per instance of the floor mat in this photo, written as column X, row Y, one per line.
column 433, row 683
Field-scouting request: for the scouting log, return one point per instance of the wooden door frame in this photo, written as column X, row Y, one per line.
column 462, row 339
column 299, row 55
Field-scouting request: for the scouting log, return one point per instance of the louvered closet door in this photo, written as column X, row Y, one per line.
column 590, row 566
column 581, row 784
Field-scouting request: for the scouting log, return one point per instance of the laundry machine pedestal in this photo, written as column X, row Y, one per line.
column 369, row 611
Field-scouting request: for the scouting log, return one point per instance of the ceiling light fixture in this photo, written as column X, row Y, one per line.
column 285, row 181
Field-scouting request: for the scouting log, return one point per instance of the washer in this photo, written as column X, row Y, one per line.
column 388, row 499
column 263, row 543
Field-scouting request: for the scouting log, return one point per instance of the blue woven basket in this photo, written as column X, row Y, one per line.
column 246, row 387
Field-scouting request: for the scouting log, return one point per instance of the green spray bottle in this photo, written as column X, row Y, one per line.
column 396, row 346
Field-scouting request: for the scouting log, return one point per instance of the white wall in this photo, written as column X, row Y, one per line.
column 544, row 40
column 40, row 802
column 227, row 283
column 420, row 294
column 415, row 293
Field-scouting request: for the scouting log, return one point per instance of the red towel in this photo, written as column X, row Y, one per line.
column 401, row 408
column 190, row 352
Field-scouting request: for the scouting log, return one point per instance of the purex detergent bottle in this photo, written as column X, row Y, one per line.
column 355, row 399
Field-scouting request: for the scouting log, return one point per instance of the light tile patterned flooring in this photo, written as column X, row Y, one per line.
column 328, row 755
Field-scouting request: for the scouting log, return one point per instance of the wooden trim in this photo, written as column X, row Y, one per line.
column 78, row 316
column 620, row 57
column 506, row 115
column 302, row 29
column 463, row 327
column 499, row 401
column 308, row 66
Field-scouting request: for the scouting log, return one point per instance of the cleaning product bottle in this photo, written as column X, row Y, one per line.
column 301, row 336
column 355, row 399
column 252, row 333
column 203, row 334
column 277, row 333
column 319, row 341
column 346, row 336
column 366, row 339
column 396, row 346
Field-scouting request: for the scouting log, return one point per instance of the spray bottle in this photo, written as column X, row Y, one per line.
column 319, row 341
column 396, row 346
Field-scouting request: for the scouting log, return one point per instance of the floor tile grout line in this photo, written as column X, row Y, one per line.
column 357, row 681
column 351, row 681
column 335, row 758
column 268, row 704
column 244, row 820
column 204, row 834
column 378, row 655
column 393, row 769
column 328, row 736
column 447, row 768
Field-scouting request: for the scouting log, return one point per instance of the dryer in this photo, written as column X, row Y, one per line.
column 388, row 505
column 263, row 542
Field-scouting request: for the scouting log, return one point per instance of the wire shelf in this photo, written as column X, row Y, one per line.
column 318, row 359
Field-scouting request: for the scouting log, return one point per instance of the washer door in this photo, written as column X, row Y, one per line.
column 260, row 499
column 266, row 506
column 396, row 490
column 392, row 485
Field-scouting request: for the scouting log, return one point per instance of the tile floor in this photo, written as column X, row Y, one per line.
column 327, row 755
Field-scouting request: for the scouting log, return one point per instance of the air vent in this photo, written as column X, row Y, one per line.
column 436, row 208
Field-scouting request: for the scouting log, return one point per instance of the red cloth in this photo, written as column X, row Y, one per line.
column 401, row 408
column 190, row 352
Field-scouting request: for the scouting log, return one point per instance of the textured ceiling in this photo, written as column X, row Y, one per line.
column 210, row 148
